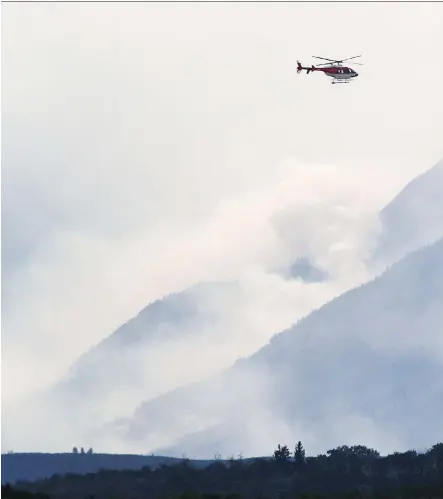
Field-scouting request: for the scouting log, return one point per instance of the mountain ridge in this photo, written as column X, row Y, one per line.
column 413, row 218
column 375, row 350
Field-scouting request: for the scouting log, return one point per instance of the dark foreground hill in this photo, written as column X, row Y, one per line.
column 353, row 472
column 37, row 466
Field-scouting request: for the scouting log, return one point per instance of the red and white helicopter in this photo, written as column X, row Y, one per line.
column 333, row 69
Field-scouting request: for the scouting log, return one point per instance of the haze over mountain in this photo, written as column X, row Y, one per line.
column 158, row 350
column 217, row 322
column 161, row 163
column 413, row 218
column 147, row 356
column 366, row 367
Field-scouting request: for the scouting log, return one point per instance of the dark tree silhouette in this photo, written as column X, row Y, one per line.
column 436, row 454
column 354, row 451
column 299, row 455
column 282, row 453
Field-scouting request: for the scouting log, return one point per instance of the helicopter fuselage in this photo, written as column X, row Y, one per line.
column 337, row 71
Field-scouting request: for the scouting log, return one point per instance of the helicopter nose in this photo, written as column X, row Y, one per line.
column 355, row 74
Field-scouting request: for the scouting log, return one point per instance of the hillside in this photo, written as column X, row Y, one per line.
column 343, row 472
column 367, row 366
column 413, row 218
column 32, row 466
column 35, row 466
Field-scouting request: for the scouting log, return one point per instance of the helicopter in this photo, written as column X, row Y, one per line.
column 333, row 68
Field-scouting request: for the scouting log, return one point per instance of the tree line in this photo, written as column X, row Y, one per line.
column 345, row 471
column 82, row 451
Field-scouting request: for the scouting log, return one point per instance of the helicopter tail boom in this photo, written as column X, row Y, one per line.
column 300, row 68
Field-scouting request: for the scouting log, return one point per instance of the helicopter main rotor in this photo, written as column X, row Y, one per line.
column 338, row 62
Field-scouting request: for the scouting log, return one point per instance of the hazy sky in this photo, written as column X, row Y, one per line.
column 148, row 146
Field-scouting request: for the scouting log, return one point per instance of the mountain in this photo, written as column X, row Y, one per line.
column 192, row 334
column 413, row 218
column 133, row 363
column 366, row 367
column 123, row 360
column 174, row 341
column 130, row 364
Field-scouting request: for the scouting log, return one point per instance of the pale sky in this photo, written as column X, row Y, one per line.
column 149, row 146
